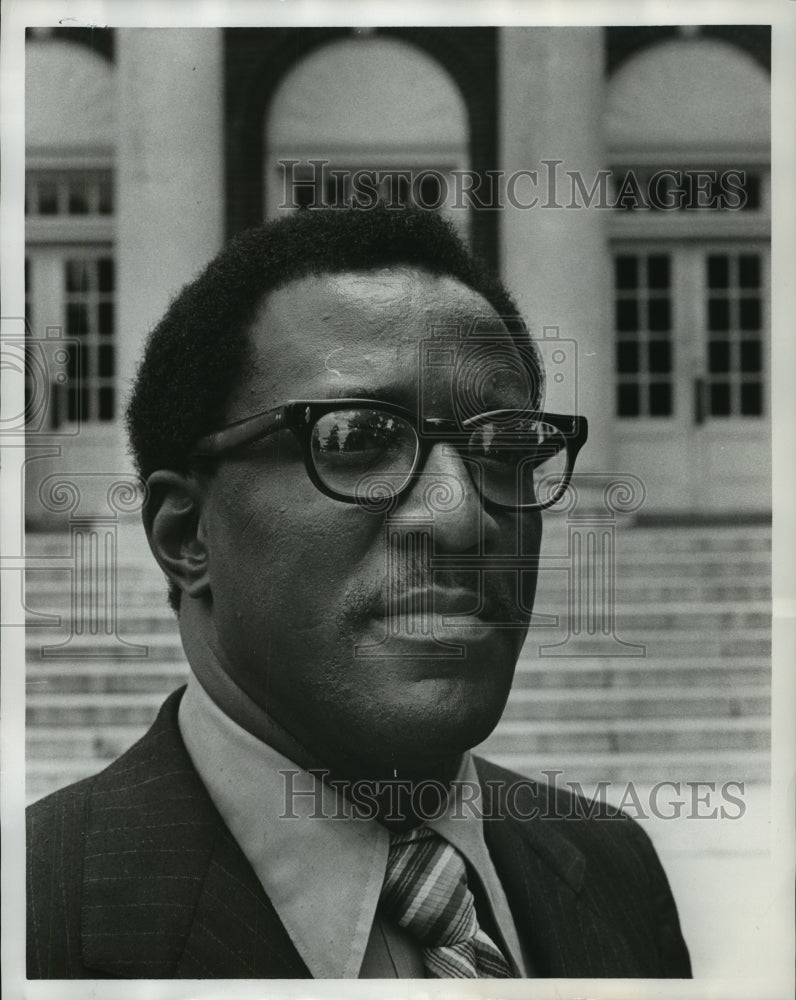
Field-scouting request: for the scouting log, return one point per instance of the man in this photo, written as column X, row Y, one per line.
column 338, row 425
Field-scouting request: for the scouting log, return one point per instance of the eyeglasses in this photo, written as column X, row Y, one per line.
column 367, row 452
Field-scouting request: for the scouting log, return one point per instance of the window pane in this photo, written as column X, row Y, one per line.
column 751, row 399
column 720, row 399
column 106, row 360
column 660, row 399
column 749, row 271
column 48, row 197
column 750, row 314
column 77, row 276
column 626, row 272
column 78, row 197
column 105, row 317
column 751, row 356
column 660, row 356
column 106, row 403
column 659, row 314
column 719, row 356
column 76, row 319
column 105, row 203
column 718, row 314
column 627, row 314
column 627, row 356
column 106, row 275
column 658, row 271
column 627, row 402
column 718, row 271
column 73, row 402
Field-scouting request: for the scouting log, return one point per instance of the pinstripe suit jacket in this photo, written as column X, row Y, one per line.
column 132, row 873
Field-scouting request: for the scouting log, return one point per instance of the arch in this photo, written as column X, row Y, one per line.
column 70, row 98
column 361, row 93
column 256, row 60
column 689, row 94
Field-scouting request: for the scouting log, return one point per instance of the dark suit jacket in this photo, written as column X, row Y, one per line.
column 132, row 873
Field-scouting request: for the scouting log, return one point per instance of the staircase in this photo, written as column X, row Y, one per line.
column 691, row 703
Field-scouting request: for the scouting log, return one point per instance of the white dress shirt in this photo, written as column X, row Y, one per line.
column 321, row 868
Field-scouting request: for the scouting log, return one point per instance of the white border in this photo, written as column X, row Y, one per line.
column 16, row 14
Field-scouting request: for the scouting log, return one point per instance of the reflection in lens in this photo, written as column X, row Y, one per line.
column 522, row 461
column 352, row 445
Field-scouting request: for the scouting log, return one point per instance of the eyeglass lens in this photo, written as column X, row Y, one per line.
column 369, row 455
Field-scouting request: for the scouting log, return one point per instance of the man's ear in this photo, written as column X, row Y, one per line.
column 173, row 523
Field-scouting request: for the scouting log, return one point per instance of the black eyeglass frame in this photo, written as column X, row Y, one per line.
column 301, row 415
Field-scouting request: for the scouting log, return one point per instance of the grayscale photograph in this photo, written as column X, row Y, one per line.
column 391, row 518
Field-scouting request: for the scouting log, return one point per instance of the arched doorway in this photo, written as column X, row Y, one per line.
column 364, row 114
column 689, row 119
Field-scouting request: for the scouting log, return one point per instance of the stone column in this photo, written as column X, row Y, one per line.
column 555, row 259
column 169, row 173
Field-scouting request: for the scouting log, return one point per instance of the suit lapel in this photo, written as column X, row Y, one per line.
column 236, row 932
column 166, row 890
column 544, row 877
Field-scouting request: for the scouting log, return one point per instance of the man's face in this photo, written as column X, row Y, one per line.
column 329, row 615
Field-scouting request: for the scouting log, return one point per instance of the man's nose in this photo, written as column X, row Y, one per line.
column 445, row 493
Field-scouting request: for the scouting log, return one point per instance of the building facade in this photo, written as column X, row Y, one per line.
column 618, row 178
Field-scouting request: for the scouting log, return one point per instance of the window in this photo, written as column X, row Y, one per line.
column 643, row 323
column 70, row 282
column 68, row 192
column 734, row 320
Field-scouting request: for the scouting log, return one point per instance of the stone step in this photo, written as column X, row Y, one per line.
column 165, row 648
column 715, row 766
column 631, row 735
column 676, row 565
column 90, row 710
column 655, row 643
column 103, row 678
column 641, row 672
column 695, row 539
column 45, row 744
column 656, row 704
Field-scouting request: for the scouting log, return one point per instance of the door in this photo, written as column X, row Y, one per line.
column 691, row 397
column 70, row 293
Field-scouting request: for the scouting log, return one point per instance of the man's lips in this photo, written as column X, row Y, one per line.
column 441, row 601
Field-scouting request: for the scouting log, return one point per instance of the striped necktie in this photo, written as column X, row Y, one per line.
column 425, row 891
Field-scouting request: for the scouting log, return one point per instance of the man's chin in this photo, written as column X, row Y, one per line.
column 436, row 719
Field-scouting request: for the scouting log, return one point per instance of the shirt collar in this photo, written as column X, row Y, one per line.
column 283, row 820
column 321, row 869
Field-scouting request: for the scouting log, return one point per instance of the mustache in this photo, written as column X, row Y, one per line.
column 416, row 590
column 411, row 586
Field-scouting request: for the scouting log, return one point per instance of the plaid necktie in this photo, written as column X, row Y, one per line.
column 425, row 891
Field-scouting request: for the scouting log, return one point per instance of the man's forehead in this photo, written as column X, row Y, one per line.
column 324, row 334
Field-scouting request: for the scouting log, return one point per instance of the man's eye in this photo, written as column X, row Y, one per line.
column 357, row 431
column 359, row 439
column 527, row 447
column 369, row 437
